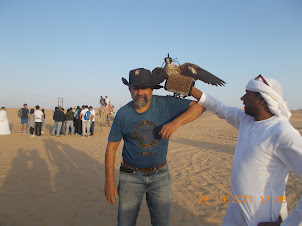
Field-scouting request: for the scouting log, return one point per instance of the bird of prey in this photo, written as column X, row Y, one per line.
column 181, row 78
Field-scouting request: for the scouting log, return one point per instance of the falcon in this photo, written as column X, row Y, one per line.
column 181, row 78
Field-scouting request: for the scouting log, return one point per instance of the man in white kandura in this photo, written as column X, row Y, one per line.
column 4, row 126
column 267, row 148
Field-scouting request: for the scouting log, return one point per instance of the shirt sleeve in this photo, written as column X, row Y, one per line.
column 289, row 151
column 116, row 134
column 232, row 115
column 177, row 106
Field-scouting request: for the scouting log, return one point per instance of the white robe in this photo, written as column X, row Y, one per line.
column 265, row 152
column 4, row 126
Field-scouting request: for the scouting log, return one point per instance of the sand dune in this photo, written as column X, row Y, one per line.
column 60, row 181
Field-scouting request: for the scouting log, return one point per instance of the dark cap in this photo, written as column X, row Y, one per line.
column 141, row 77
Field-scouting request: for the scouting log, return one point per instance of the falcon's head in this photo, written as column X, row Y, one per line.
column 168, row 60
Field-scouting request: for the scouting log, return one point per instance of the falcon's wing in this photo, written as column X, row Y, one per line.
column 197, row 72
column 159, row 75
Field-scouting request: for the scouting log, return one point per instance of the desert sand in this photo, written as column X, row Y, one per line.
column 60, row 180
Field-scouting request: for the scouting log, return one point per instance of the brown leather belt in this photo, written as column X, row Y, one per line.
column 146, row 170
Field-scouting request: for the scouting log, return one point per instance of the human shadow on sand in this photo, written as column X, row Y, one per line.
column 11, row 126
column 24, row 189
column 49, row 127
column 65, row 187
column 69, row 192
column 205, row 145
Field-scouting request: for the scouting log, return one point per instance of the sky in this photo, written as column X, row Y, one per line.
column 80, row 50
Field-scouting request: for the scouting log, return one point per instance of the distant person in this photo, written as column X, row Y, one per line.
column 107, row 101
column 43, row 120
column 24, row 119
column 85, row 117
column 80, row 129
column 267, row 148
column 63, row 122
column 92, row 120
column 4, row 125
column 38, row 121
column 76, row 119
column 102, row 101
column 58, row 117
column 69, row 122
column 32, row 122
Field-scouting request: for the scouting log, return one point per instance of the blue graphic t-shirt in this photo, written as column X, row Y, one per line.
column 143, row 147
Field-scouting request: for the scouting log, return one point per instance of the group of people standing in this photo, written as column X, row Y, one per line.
column 34, row 118
column 78, row 121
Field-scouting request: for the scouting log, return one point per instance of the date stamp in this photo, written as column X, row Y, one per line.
column 241, row 199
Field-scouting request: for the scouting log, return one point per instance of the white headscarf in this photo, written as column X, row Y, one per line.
column 272, row 94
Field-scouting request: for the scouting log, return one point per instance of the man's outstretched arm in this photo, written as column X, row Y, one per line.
column 196, row 93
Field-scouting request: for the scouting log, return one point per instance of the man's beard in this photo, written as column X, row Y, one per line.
column 249, row 111
column 140, row 103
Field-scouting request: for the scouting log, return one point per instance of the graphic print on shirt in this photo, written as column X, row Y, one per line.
column 146, row 134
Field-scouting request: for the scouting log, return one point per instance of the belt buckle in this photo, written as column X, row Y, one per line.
column 151, row 169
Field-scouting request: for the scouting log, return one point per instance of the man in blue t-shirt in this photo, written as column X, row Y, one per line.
column 24, row 119
column 145, row 124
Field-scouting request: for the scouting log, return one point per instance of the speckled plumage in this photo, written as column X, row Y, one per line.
column 186, row 69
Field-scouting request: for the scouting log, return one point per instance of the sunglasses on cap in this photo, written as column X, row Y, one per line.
column 263, row 80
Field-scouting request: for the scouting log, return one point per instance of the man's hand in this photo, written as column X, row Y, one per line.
column 277, row 223
column 110, row 192
column 168, row 129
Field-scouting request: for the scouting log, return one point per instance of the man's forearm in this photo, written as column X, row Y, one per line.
column 192, row 113
column 110, row 187
column 110, row 160
column 196, row 93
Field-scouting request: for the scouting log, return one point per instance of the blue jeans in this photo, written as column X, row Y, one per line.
column 57, row 127
column 132, row 188
column 92, row 128
column 69, row 124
